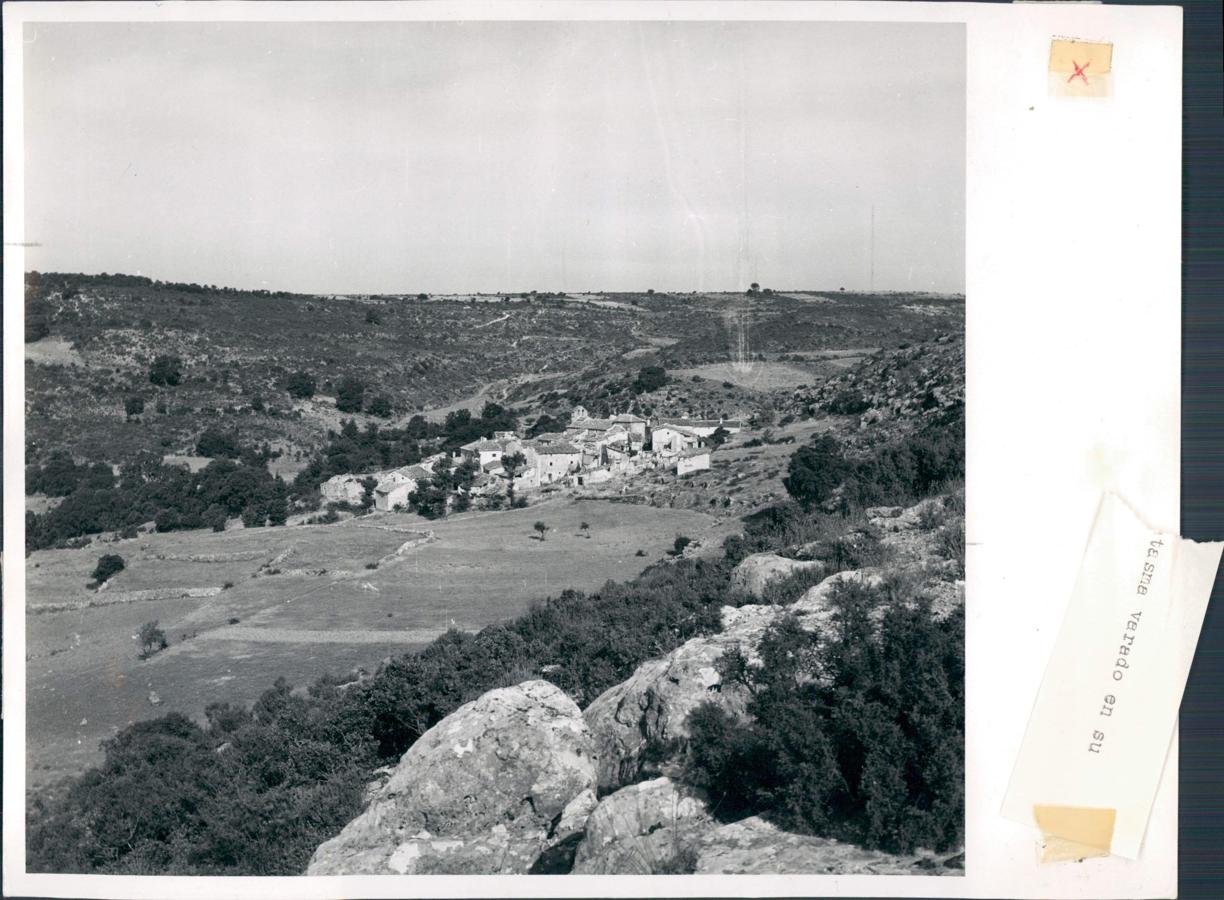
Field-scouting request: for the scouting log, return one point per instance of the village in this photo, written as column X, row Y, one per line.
column 590, row 451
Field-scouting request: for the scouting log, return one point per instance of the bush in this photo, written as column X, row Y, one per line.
column 380, row 406
column 815, row 471
column 300, row 385
column 856, row 731
column 133, row 405
column 214, row 441
column 166, row 370
column 152, row 639
column 649, row 378
column 109, row 564
column 350, row 393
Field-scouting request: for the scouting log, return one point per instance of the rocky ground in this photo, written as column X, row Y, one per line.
column 523, row 781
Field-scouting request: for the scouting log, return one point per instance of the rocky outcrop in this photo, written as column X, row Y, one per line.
column 756, row 571
column 479, row 792
column 648, row 828
column 651, row 707
column 755, row 847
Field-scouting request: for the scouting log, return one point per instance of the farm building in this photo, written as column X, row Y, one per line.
column 671, row 439
column 703, row 427
column 635, row 424
column 694, row 460
column 393, row 490
column 342, row 489
column 552, row 460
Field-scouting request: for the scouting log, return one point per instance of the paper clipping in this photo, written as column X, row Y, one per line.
column 1096, row 743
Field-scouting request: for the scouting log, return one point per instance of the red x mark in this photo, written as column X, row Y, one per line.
column 1079, row 71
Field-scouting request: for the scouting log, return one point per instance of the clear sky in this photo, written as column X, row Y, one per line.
column 481, row 156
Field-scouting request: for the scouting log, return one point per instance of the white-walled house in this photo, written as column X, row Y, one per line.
column 393, row 490
column 671, row 439
column 636, row 426
column 694, row 460
column 552, row 460
column 703, row 427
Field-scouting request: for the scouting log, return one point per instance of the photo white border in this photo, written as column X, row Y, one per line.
column 1073, row 385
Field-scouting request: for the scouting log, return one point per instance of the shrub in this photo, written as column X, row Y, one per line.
column 649, row 378
column 350, row 393
column 166, row 370
column 815, row 471
column 300, row 385
column 214, row 441
column 152, row 639
column 855, row 731
column 380, row 406
column 109, row 564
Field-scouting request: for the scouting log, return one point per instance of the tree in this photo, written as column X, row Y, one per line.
column 719, row 437
column 166, row 370
column 649, row 378
column 215, row 442
column 542, row 528
column 815, row 471
column 215, row 517
column 301, row 385
column 372, row 317
column 152, row 639
column 513, row 464
column 109, row 564
column 680, row 543
column 753, row 288
column 380, row 406
column 585, row 529
column 133, row 405
column 349, row 394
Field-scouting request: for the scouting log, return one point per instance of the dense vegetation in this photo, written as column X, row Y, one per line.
column 95, row 500
column 856, row 732
column 903, row 469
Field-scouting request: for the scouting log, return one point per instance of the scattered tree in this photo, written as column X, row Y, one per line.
column 349, row 394
column 166, row 370
column 513, row 464
column 152, row 639
column 301, row 385
column 218, row 443
column 109, row 564
column 585, row 529
column 542, row 528
column 649, row 378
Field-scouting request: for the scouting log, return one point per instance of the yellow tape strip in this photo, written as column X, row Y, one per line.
column 1074, row 832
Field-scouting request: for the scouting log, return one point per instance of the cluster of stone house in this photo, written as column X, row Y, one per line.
column 589, row 451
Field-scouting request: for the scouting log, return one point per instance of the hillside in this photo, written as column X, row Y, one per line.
column 93, row 339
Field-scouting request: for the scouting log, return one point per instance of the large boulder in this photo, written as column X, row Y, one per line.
column 755, row 847
column 650, row 708
column 478, row 793
column 649, row 828
column 756, row 571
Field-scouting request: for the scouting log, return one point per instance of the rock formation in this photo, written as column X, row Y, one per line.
column 755, row 847
column 477, row 793
column 648, row 828
column 756, row 571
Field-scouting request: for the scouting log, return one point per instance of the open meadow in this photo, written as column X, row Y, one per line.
column 302, row 603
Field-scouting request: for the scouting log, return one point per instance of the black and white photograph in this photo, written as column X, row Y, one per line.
column 494, row 447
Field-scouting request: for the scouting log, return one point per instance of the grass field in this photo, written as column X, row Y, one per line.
column 760, row 376
column 84, row 680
